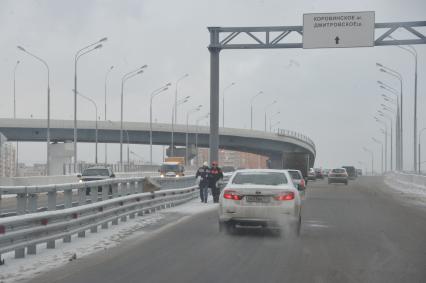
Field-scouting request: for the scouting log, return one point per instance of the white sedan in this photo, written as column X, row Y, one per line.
column 260, row 198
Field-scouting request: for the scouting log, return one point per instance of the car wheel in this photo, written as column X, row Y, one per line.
column 346, row 183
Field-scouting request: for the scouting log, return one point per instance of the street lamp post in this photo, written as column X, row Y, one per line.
column 266, row 108
column 14, row 113
column 191, row 111
column 381, row 143
column 223, row 103
column 87, row 49
column 48, row 107
column 96, row 123
column 398, row 76
column 123, row 80
column 105, row 113
column 176, row 96
column 420, row 140
column 372, row 159
column 181, row 101
column 154, row 94
column 381, row 113
column 396, row 102
column 251, row 108
column 386, row 140
column 128, row 141
column 196, row 135
column 410, row 49
column 270, row 119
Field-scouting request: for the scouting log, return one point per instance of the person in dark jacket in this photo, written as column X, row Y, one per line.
column 216, row 174
column 203, row 172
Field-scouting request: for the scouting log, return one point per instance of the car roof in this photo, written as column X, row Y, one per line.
column 293, row 170
column 97, row 167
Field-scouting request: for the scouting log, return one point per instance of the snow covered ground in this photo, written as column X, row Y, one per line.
column 21, row 270
column 412, row 191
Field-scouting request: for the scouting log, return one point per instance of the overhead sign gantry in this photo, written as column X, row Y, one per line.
column 272, row 37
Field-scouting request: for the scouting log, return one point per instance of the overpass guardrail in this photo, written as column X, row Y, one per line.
column 22, row 234
column 62, row 196
column 299, row 136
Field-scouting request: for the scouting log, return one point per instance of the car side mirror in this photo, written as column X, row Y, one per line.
column 112, row 176
column 78, row 175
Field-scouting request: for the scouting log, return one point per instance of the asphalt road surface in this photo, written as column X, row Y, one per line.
column 352, row 233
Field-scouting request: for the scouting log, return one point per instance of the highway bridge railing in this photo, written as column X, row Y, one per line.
column 38, row 198
column 294, row 134
column 23, row 233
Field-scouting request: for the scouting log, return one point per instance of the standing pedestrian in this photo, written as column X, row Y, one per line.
column 216, row 174
column 203, row 172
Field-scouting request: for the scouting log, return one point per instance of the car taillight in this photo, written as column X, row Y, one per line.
column 285, row 196
column 228, row 194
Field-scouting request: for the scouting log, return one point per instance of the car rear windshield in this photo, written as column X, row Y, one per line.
column 339, row 171
column 169, row 167
column 96, row 172
column 295, row 175
column 260, row 178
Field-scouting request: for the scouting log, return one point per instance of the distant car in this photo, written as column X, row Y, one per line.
column 325, row 172
column 311, row 175
column 359, row 172
column 260, row 198
column 352, row 173
column 318, row 173
column 298, row 179
column 228, row 169
column 338, row 175
column 171, row 169
column 95, row 174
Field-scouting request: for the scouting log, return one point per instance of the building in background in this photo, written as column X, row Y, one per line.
column 7, row 158
column 37, row 169
column 235, row 158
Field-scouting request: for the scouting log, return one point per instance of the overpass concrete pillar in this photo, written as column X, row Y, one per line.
column 296, row 160
column 60, row 154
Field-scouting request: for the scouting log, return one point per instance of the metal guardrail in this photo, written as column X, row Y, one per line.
column 81, row 193
column 24, row 233
column 282, row 132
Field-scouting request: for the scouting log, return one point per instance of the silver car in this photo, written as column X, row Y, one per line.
column 260, row 198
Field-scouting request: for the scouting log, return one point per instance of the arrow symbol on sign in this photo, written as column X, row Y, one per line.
column 337, row 39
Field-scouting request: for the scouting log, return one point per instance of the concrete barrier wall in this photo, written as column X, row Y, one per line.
column 407, row 183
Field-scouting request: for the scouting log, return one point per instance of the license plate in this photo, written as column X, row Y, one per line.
column 258, row 199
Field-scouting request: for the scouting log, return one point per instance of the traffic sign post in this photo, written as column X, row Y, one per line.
column 338, row 30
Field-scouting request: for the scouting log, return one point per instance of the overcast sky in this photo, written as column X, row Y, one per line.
column 330, row 95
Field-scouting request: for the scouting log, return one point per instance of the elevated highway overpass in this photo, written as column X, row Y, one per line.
column 285, row 149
